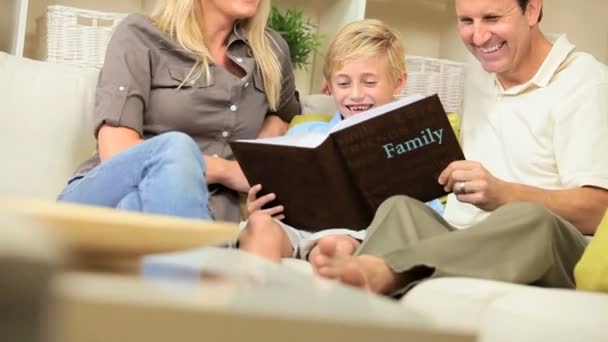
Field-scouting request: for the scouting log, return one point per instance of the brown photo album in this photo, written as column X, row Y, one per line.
column 338, row 180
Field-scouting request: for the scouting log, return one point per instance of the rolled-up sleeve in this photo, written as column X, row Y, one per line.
column 289, row 104
column 123, row 89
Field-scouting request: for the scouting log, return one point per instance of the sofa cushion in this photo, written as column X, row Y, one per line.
column 45, row 124
column 301, row 119
column 591, row 272
column 457, row 303
column 546, row 315
column 318, row 104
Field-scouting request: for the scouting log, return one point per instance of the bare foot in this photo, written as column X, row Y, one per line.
column 364, row 271
column 342, row 244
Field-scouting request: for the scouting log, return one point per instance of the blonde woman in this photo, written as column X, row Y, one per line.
column 175, row 89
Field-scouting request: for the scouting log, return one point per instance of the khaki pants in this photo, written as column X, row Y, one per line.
column 521, row 243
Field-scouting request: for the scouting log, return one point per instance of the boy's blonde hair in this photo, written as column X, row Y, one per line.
column 182, row 21
column 366, row 39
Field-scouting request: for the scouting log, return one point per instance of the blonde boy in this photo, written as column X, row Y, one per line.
column 364, row 68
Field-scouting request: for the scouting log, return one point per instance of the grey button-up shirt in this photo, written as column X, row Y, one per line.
column 139, row 88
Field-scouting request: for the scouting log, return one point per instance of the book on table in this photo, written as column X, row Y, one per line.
column 339, row 179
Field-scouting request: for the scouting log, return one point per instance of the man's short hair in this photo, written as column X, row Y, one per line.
column 523, row 4
column 364, row 39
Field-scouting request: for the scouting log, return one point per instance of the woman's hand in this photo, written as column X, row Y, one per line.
column 255, row 204
column 234, row 178
column 473, row 184
column 227, row 173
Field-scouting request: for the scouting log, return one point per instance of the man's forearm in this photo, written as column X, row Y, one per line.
column 583, row 207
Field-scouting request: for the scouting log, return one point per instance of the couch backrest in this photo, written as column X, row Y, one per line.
column 45, row 124
column 318, row 104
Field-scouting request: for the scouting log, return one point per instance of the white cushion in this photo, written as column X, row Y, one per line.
column 458, row 303
column 507, row 312
column 45, row 124
column 546, row 315
column 298, row 265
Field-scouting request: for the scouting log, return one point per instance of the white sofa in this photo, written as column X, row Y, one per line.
column 46, row 131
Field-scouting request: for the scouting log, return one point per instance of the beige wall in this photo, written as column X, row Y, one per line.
column 429, row 26
column 8, row 14
column 583, row 21
column 420, row 23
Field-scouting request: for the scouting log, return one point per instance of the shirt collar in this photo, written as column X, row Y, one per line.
column 557, row 55
column 238, row 34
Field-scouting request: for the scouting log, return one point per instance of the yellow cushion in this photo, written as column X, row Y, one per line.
column 591, row 272
column 455, row 122
column 298, row 119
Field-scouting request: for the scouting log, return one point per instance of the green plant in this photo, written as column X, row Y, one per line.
column 299, row 33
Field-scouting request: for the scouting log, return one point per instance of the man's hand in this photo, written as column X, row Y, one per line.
column 255, row 204
column 473, row 184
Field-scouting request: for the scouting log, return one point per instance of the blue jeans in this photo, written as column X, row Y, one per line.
column 162, row 175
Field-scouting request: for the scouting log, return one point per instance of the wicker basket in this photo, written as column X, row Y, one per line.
column 77, row 36
column 428, row 76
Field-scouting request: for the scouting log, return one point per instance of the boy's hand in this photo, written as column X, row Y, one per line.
column 255, row 204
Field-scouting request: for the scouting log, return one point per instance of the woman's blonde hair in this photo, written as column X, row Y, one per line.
column 364, row 39
column 182, row 21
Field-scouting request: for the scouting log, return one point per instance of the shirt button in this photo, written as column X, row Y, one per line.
column 233, row 108
column 192, row 82
column 121, row 88
column 246, row 84
column 240, row 60
column 225, row 134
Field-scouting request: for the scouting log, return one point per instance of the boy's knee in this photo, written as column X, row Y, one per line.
column 259, row 219
column 260, row 224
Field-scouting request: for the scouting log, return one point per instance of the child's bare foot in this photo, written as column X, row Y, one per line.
column 364, row 271
column 342, row 244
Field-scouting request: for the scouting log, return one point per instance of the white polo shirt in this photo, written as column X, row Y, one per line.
column 551, row 132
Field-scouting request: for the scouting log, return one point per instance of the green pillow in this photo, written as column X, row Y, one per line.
column 591, row 272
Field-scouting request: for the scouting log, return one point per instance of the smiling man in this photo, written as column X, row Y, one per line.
column 504, row 37
column 540, row 108
column 534, row 132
